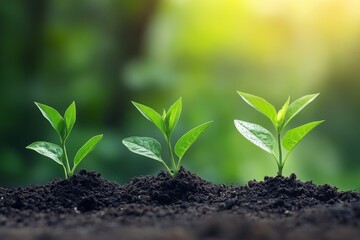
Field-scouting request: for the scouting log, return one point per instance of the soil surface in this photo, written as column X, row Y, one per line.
column 86, row 206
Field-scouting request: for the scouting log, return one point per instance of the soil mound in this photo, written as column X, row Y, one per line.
column 87, row 206
column 285, row 194
column 84, row 191
column 164, row 189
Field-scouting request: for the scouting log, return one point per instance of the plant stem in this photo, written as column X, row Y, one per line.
column 66, row 162
column 178, row 164
column 167, row 168
column 65, row 172
column 280, row 164
column 175, row 170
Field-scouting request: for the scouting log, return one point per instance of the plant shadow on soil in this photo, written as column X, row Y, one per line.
column 86, row 206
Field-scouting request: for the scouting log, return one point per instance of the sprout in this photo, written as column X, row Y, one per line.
column 63, row 126
column 262, row 138
column 151, row 148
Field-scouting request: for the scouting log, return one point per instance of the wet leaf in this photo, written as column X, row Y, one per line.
column 49, row 150
column 256, row 134
column 144, row 146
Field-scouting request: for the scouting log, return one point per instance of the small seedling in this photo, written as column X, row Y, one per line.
column 262, row 138
column 166, row 123
column 63, row 126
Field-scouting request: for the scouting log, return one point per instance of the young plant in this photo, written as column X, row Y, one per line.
column 166, row 123
column 63, row 126
column 262, row 138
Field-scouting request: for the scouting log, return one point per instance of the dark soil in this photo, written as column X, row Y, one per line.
column 86, row 206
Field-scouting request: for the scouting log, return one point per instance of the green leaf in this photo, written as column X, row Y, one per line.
column 49, row 150
column 87, row 148
column 54, row 117
column 256, row 134
column 151, row 115
column 163, row 116
column 261, row 105
column 281, row 114
column 70, row 118
column 297, row 106
column 144, row 146
column 173, row 115
column 185, row 142
column 294, row 136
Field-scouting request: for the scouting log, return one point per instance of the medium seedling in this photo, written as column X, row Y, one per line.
column 63, row 126
column 151, row 148
column 264, row 139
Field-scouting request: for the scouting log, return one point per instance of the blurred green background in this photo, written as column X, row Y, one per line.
column 105, row 53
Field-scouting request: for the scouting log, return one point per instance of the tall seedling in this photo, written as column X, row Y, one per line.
column 151, row 148
column 63, row 126
column 264, row 139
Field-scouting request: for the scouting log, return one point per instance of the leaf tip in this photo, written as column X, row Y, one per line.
column 209, row 122
column 37, row 104
column 240, row 93
column 100, row 136
column 135, row 104
column 314, row 95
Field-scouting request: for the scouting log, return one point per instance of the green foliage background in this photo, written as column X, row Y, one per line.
column 103, row 54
